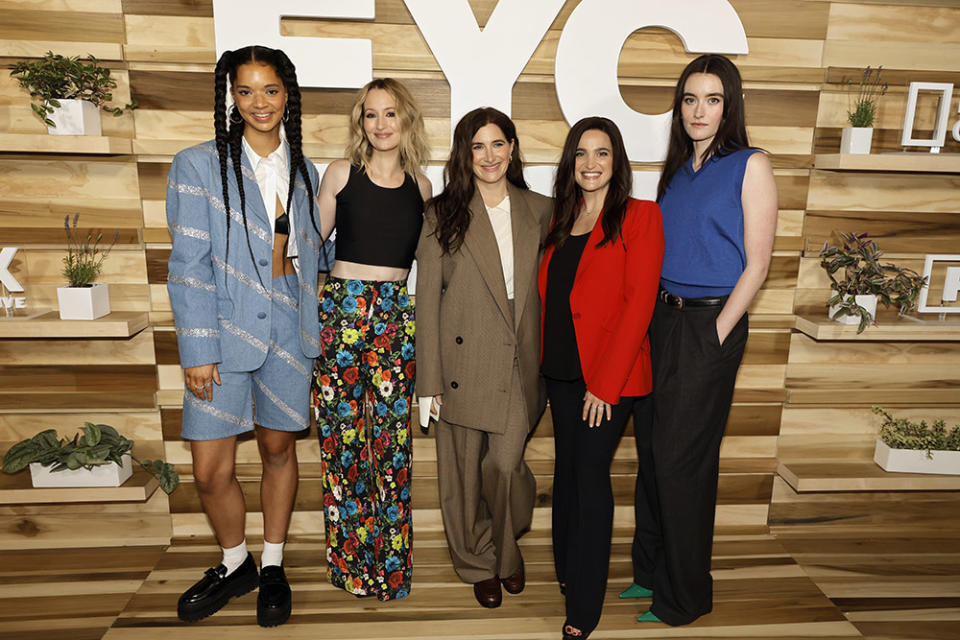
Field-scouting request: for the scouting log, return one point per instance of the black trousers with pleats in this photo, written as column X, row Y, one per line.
column 678, row 448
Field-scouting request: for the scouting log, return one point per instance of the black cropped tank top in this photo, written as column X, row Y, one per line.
column 378, row 225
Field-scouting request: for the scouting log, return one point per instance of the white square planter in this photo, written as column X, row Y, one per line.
column 75, row 118
column 914, row 461
column 83, row 303
column 856, row 139
column 867, row 301
column 104, row 475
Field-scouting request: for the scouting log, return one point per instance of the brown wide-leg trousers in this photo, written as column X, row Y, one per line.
column 487, row 492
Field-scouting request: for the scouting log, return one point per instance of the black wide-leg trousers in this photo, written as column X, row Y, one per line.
column 678, row 448
column 583, row 498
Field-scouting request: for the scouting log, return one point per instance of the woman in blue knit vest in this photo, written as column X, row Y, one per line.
column 719, row 203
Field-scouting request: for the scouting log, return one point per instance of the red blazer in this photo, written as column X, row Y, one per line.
column 612, row 301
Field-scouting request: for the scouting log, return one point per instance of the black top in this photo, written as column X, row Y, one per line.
column 561, row 357
column 281, row 224
column 378, row 225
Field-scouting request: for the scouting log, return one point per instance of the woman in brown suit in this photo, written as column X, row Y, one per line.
column 478, row 347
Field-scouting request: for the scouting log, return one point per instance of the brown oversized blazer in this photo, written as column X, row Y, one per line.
column 465, row 343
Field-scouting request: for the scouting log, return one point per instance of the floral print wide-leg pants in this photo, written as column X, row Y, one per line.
column 362, row 389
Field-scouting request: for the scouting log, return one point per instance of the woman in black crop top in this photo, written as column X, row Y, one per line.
column 478, row 345
column 366, row 365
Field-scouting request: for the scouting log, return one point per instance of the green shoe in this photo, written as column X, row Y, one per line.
column 636, row 591
column 649, row 616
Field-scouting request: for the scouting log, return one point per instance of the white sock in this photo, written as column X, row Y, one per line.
column 272, row 554
column 234, row 556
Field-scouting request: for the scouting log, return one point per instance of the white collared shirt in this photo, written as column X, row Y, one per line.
column 503, row 230
column 273, row 179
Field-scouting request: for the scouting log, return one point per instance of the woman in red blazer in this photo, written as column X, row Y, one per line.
column 598, row 284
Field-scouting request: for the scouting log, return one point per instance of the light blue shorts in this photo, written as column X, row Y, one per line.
column 275, row 396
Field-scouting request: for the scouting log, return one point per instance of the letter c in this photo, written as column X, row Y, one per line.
column 589, row 51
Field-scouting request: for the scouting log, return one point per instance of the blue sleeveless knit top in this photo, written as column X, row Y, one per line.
column 703, row 227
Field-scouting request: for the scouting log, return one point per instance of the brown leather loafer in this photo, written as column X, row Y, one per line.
column 514, row 583
column 487, row 592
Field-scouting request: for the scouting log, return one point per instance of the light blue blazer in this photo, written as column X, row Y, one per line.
column 222, row 309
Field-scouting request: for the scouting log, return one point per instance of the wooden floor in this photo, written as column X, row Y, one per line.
column 761, row 592
column 889, row 561
column 877, row 566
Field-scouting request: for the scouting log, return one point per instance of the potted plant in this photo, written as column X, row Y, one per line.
column 68, row 91
column 99, row 458
column 859, row 281
column 82, row 298
column 858, row 136
column 917, row 448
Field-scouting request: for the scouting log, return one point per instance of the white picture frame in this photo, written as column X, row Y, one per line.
column 952, row 273
column 939, row 137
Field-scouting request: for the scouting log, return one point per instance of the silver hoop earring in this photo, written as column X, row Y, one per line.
column 235, row 117
column 286, row 115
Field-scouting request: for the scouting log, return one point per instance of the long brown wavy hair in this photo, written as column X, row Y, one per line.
column 452, row 205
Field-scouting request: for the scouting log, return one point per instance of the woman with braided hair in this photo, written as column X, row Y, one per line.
column 243, row 287
column 366, row 367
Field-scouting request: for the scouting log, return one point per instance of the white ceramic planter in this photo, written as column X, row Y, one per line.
column 867, row 301
column 913, row 461
column 75, row 118
column 83, row 303
column 856, row 139
column 104, row 475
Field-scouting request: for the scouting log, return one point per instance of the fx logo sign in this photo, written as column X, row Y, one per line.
column 951, row 284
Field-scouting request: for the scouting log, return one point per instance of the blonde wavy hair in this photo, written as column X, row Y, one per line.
column 414, row 150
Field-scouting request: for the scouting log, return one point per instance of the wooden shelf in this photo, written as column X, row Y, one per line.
column 906, row 162
column 927, row 328
column 15, row 489
column 81, row 145
column 858, row 475
column 119, row 324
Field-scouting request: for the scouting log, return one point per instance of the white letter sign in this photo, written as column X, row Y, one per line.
column 320, row 62
column 939, row 137
column 481, row 66
column 589, row 51
column 6, row 257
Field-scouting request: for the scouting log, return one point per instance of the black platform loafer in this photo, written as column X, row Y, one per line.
column 215, row 589
column 273, row 601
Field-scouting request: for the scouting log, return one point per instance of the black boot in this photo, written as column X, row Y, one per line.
column 213, row 591
column 273, row 601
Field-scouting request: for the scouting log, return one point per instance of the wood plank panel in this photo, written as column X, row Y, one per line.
column 833, row 191
column 33, row 24
column 137, row 350
column 142, row 427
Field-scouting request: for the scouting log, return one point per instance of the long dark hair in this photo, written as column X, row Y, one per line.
column 568, row 196
column 229, row 131
column 452, row 205
column 732, row 133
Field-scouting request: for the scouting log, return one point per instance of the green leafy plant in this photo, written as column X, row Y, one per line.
column 99, row 444
column 866, row 97
column 85, row 256
column 901, row 433
column 55, row 77
column 854, row 268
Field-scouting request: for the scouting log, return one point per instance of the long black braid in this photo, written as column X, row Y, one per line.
column 228, row 140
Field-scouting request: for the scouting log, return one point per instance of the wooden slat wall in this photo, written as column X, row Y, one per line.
column 162, row 53
column 831, row 385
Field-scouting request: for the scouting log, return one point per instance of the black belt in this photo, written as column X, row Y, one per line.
column 679, row 303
